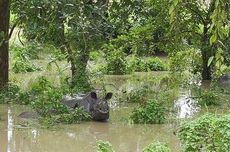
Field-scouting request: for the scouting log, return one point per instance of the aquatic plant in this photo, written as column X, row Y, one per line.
column 150, row 112
column 207, row 97
column 9, row 94
column 207, row 133
column 157, row 147
column 104, row 146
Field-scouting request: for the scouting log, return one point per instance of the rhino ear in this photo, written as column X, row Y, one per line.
column 93, row 95
column 108, row 96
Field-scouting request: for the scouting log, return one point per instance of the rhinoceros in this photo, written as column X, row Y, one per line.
column 96, row 107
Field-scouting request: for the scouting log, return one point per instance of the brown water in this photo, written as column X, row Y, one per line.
column 80, row 137
column 83, row 137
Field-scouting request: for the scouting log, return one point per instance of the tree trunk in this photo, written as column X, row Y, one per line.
column 60, row 40
column 4, row 42
column 80, row 79
column 206, row 54
column 206, row 71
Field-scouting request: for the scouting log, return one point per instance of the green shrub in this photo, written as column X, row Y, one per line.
column 143, row 65
column 103, row 146
column 47, row 102
column 95, row 55
column 47, row 97
column 69, row 117
column 115, row 58
column 22, row 58
column 156, row 64
column 157, row 147
column 189, row 60
column 9, row 94
column 29, row 51
column 149, row 113
column 139, row 94
column 24, row 65
column 207, row 133
column 206, row 97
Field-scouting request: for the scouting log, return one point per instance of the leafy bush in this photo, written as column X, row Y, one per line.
column 138, row 95
column 103, row 146
column 189, row 60
column 29, row 51
column 185, row 67
column 157, row 147
column 13, row 94
column 47, row 102
column 115, row 58
column 149, row 113
column 156, row 64
column 144, row 65
column 207, row 133
column 206, row 97
column 9, row 94
column 22, row 58
column 69, row 117
column 141, row 66
column 46, row 97
column 95, row 55
column 24, row 65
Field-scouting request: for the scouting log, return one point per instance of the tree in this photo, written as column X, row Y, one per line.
column 77, row 28
column 203, row 24
column 83, row 26
column 4, row 42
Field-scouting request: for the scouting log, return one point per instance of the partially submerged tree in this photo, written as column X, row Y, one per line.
column 203, row 24
column 4, row 42
column 75, row 26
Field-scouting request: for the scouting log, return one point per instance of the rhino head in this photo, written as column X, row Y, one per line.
column 99, row 108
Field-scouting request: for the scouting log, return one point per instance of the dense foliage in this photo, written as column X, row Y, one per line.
column 207, row 133
column 149, row 113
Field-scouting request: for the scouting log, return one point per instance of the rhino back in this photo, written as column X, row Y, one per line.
column 70, row 103
column 224, row 80
column 28, row 115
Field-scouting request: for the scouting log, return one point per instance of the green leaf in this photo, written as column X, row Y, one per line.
column 171, row 9
column 213, row 38
column 210, row 60
column 175, row 2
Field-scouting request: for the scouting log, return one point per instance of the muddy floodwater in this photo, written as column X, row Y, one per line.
column 80, row 137
column 125, row 137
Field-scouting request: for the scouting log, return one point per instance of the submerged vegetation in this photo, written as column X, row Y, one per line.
column 153, row 147
column 149, row 113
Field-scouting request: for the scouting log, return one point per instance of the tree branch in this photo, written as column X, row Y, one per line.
column 12, row 29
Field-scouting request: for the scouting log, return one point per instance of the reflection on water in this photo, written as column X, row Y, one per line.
column 81, row 137
column 186, row 106
column 9, row 130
